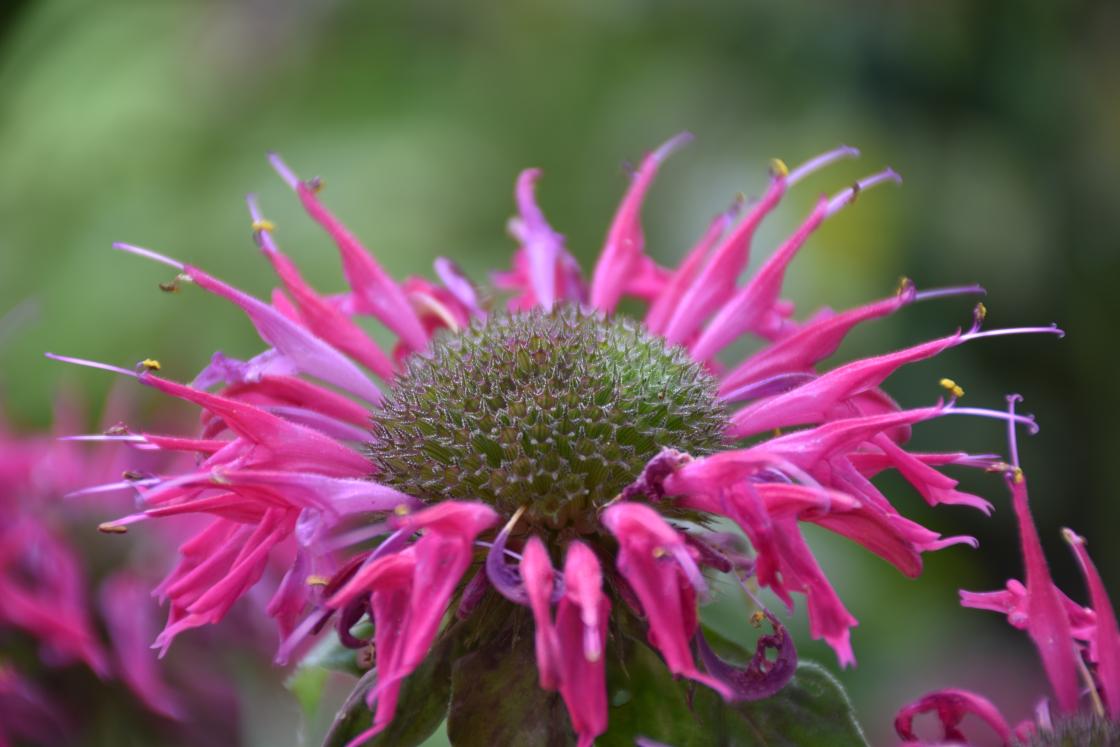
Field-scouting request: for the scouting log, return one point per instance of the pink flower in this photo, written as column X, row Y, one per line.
column 570, row 651
column 951, row 707
column 1073, row 642
column 589, row 437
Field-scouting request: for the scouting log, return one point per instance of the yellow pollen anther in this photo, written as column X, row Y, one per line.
column 777, row 432
column 1017, row 475
column 981, row 311
column 263, row 225
column 757, row 618
column 778, row 168
column 317, row 580
column 401, row 510
column 904, row 284
column 316, row 184
column 952, row 387
column 109, row 527
column 1071, row 537
column 151, row 364
column 660, row 552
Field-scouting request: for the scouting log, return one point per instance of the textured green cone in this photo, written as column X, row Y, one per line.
column 1077, row 731
column 556, row 411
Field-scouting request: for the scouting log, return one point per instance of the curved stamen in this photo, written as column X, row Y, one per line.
column 666, row 149
column 125, row 438
column 92, row 364
column 1012, row 438
column 983, row 412
column 952, row 290
column 819, row 162
column 847, row 196
column 149, row 254
column 976, row 334
column 283, row 170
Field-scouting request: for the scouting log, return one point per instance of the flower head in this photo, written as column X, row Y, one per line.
column 1079, row 647
column 602, row 446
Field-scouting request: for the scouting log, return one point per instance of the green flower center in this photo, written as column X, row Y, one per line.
column 556, row 412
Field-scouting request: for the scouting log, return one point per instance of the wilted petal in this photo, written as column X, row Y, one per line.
column 951, row 707
column 761, row 677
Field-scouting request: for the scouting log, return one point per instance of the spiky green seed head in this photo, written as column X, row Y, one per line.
column 555, row 411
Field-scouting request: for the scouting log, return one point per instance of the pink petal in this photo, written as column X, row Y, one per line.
column 375, row 292
column 951, row 707
column 1107, row 633
column 625, row 244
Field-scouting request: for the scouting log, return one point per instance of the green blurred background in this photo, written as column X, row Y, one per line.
column 147, row 122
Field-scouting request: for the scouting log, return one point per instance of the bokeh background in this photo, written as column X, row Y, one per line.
column 147, row 122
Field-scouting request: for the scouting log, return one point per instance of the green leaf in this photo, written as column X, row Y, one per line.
column 644, row 700
column 328, row 655
column 420, row 709
column 811, row 711
column 307, row 683
column 496, row 699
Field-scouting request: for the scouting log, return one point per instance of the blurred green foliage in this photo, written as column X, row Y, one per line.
column 148, row 121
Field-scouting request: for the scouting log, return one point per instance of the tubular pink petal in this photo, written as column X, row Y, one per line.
column 716, row 282
column 580, row 633
column 542, row 244
column 752, row 308
column 664, row 306
column 811, row 402
column 811, row 343
column 310, row 354
column 1047, row 620
column 374, row 291
column 321, row 317
column 458, row 285
column 625, row 243
column 537, row 574
column 1106, row 631
column 951, row 707
column 296, row 447
column 657, row 580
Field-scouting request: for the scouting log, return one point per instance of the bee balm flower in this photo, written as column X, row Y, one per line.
column 552, row 463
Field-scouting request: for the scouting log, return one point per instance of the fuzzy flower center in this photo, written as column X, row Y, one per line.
column 554, row 411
